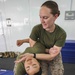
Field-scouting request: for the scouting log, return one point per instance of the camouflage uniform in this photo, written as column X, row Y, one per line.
column 48, row 40
column 55, row 66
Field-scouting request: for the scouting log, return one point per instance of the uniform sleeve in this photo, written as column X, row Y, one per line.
column 35, row 33
column 61, row 40
column 37, row 48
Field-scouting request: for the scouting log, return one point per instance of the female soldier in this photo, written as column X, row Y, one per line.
column 50, row 35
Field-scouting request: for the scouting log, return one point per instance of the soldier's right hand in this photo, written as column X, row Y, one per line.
column 19, row 42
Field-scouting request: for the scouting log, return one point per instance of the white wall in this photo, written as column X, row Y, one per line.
column 24, row 15
column 68, row 25
column 64, row 5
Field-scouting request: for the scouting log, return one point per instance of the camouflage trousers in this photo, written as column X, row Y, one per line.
column 55, row 67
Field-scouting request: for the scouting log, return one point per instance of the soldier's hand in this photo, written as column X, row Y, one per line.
column 19, row 42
